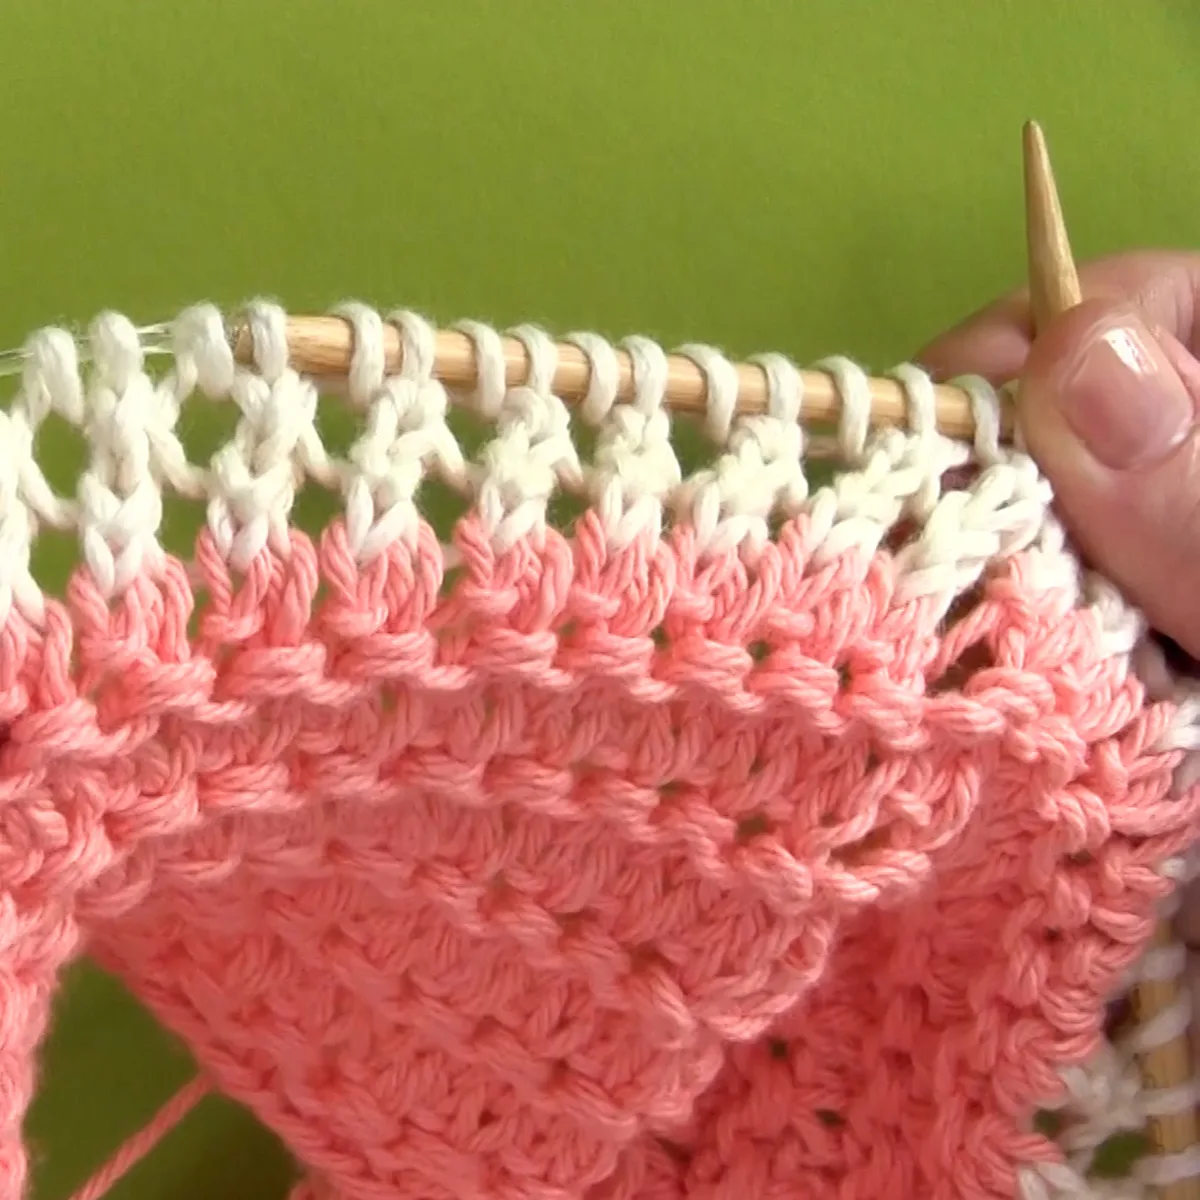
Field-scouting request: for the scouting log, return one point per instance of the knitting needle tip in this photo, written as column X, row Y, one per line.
column 1053, row 281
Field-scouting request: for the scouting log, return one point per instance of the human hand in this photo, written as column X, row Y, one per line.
column 1107, row 406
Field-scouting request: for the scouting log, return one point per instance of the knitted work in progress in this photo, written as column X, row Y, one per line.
column 733, row 837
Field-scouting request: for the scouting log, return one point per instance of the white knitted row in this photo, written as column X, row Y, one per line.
column 634, row 479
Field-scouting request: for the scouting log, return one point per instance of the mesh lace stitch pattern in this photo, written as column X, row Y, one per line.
column 746, row 838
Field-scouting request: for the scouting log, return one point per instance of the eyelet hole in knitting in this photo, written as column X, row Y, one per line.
column 203, row 428
column 829, row 1118
column 974, row 659
column 471, row 431
column 61, row 452
column 751, row 827
column 339, row 425
column 564, row 509
column 1114, row 1157
column 314, row 508
column 1117, row 1155
column 442, row 506
column 693, row 447
column 976, row 656
column 52, row 557
column 183, row 519
column 859, row 854
column 1049, row 1122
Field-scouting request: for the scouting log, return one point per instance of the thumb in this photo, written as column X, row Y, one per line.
column 1108, row 408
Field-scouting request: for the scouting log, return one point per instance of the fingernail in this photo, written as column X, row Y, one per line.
column 1123, row 398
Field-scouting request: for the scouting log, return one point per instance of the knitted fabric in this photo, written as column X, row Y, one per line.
column 740, row 837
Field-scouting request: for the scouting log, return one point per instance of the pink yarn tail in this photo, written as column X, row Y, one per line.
column 141, row 1143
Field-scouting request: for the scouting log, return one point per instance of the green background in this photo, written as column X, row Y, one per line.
column 814, row 177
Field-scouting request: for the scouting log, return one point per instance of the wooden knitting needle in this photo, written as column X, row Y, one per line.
column 321, row 347
column 1053, row 289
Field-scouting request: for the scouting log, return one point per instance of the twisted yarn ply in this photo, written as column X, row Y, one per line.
column 736, row 837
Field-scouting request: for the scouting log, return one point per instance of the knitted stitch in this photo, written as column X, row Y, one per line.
column 743, row 839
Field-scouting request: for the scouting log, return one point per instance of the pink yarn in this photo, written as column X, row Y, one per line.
column 588, row 874
column 494, row 896
column 144, row 1141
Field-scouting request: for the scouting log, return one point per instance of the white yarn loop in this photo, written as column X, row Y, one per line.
column 542, row 352
column 920, row 400
column 51, row 380
column 418, row 345
column 604, row 375
column 854, row 392
column 368, row 357
column 785, row 387
column 268, row 334
column 650, row 374
column 985, row 415
column 721, row 389
column 490, row 367
column 203, row 354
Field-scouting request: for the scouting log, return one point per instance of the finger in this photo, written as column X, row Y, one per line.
column 995, row 341
column 1107, row 405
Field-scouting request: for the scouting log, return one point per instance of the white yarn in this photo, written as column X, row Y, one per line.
column 604, row 376
column 532, row 455
column 760, row 473
column 251, row 484
column 120, row 500
column 490, row 386
column 634, row 469
column 406, row 438
column 368, row 359
column 721, row 381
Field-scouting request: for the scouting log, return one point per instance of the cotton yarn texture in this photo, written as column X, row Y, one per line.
column 737, row 836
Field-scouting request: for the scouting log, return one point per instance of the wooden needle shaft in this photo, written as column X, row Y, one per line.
column 322, row 347
column 1053, row 289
